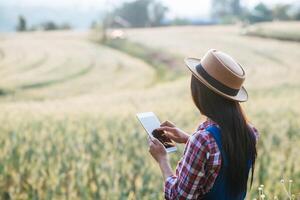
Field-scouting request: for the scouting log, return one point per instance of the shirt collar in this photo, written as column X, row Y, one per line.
column 208, row 122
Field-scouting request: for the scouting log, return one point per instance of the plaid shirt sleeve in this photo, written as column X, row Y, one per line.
column 197, row 169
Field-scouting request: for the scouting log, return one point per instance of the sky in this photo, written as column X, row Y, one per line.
column 200, row 8
column 177, row 8
column 81, row 13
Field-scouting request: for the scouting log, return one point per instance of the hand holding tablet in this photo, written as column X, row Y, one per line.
column 173, row 132
column 151, row 123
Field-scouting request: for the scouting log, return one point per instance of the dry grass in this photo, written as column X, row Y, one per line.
column 74, row 133
column 288, row 31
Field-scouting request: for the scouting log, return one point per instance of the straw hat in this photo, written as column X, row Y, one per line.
column 221, row 73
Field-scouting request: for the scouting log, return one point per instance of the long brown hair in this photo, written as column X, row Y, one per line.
column 238, row 141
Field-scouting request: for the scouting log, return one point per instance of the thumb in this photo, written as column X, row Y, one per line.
column 155, row 141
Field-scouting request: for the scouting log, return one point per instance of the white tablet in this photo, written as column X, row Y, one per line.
column 150, row 123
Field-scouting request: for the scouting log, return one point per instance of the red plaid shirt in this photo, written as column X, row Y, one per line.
column 198, row 168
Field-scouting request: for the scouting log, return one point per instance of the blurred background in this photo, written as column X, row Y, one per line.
column 75, row 72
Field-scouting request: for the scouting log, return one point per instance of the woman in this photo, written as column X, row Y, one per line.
column 219, row 155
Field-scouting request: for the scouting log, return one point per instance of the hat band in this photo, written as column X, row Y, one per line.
column 215, row 83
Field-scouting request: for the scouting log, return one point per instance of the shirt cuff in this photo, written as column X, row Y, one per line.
column 170, row 181
column 171, row 178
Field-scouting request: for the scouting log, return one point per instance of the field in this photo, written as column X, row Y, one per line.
column 68, row 127
column 277, row 30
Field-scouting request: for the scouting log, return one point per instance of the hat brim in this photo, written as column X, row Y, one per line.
column 191, row 63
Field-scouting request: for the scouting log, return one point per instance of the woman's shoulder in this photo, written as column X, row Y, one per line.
column 203, row 134
column 205, row 142
column 203, row 137
column 254, row 131
column 202, row 129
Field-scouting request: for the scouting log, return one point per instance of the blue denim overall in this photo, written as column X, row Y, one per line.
column 220, row 189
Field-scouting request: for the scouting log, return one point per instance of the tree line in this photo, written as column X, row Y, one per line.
column 150, row 13
column 22, row 25
column 228, row 11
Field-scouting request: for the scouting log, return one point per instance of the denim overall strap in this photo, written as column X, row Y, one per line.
column 220, row 189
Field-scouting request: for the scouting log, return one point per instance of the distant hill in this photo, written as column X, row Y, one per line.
column 78, row 18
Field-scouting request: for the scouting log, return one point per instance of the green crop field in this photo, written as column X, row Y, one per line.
column 68, row 105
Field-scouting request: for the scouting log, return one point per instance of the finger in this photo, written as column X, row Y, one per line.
column 169, row 135
column 150, row 141
column 156, row 141
column 166, row 128
column 167, row 123
column 151, row 137
column 150, row 148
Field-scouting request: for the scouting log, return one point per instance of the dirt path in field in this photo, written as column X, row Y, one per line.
column 167, row 65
